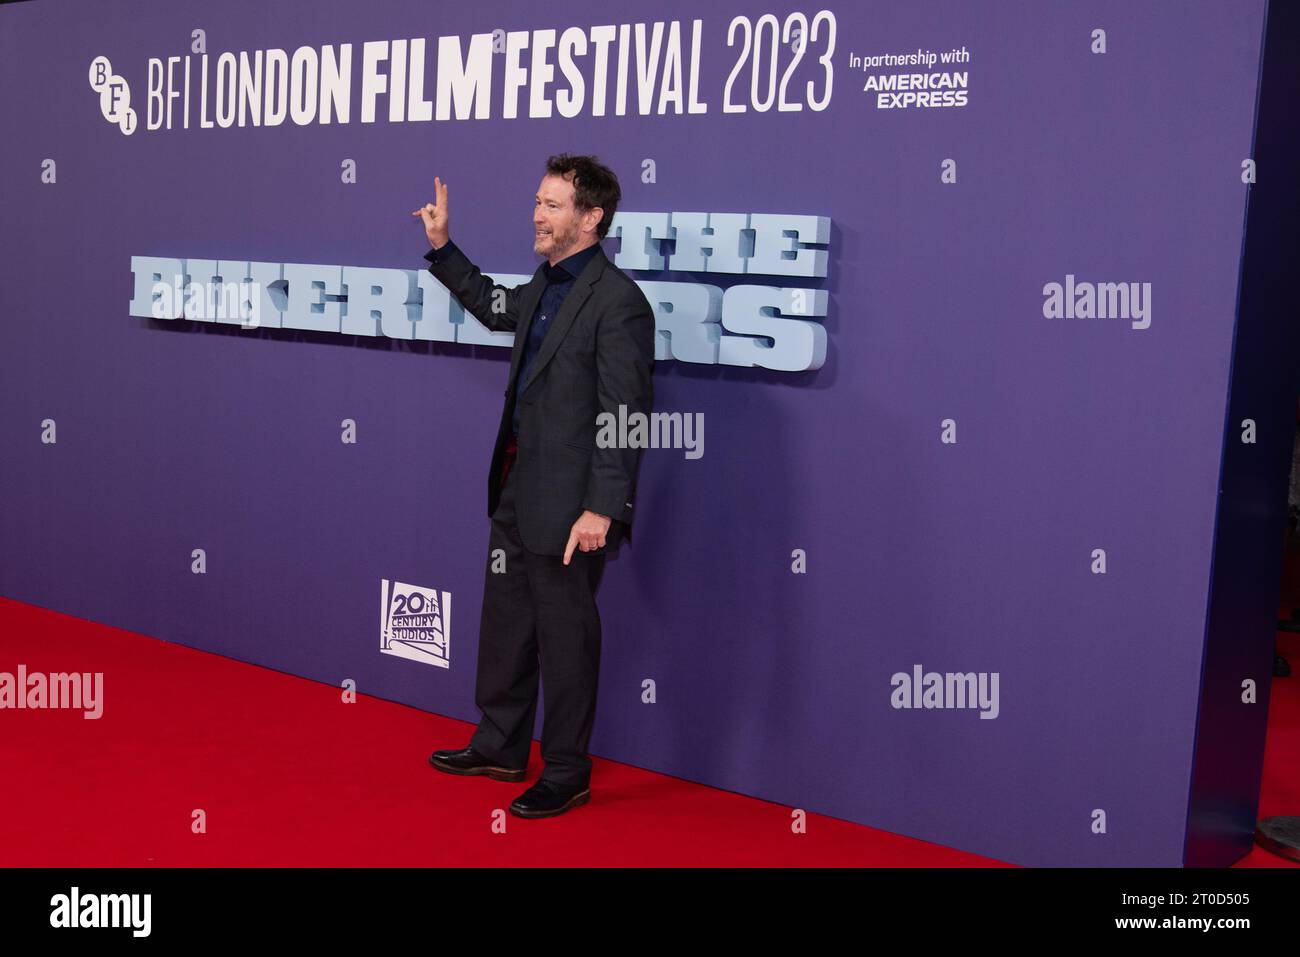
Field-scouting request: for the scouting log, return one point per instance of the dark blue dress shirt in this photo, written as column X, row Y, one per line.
column 559, row 281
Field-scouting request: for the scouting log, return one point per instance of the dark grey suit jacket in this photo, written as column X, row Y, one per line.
column 598, row 355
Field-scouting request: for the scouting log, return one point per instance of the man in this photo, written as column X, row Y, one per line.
column 558, row 503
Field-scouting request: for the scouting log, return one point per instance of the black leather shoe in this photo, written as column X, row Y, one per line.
column 546, row 799
column 469, row 761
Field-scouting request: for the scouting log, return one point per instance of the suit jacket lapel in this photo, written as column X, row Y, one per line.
column 564, row 319
column 528, row 300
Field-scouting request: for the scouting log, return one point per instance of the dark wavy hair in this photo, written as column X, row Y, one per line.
column 594, row 185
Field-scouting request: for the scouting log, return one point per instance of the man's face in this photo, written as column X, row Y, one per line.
column 557, row 226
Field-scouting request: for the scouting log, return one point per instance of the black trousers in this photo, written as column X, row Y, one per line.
column 539, row 617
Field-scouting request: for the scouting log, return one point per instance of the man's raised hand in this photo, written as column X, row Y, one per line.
column 435, row 217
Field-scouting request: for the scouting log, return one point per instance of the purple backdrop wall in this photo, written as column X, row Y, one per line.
column 973, row 556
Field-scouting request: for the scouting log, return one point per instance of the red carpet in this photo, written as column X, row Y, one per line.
column 289, row 776
column 1280, row 786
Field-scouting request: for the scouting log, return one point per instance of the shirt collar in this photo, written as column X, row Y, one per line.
column 571, row 266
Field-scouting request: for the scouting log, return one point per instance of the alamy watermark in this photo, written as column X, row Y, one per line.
column 658, row 430
column 227, row 302
column 1098, row 300
column 83, row 691
column 130, row 911
column 932, row 689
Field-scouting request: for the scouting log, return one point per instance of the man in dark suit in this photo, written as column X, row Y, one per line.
column 558, row 500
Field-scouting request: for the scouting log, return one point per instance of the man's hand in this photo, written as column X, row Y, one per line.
column 435, row 217
column 588, row 531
